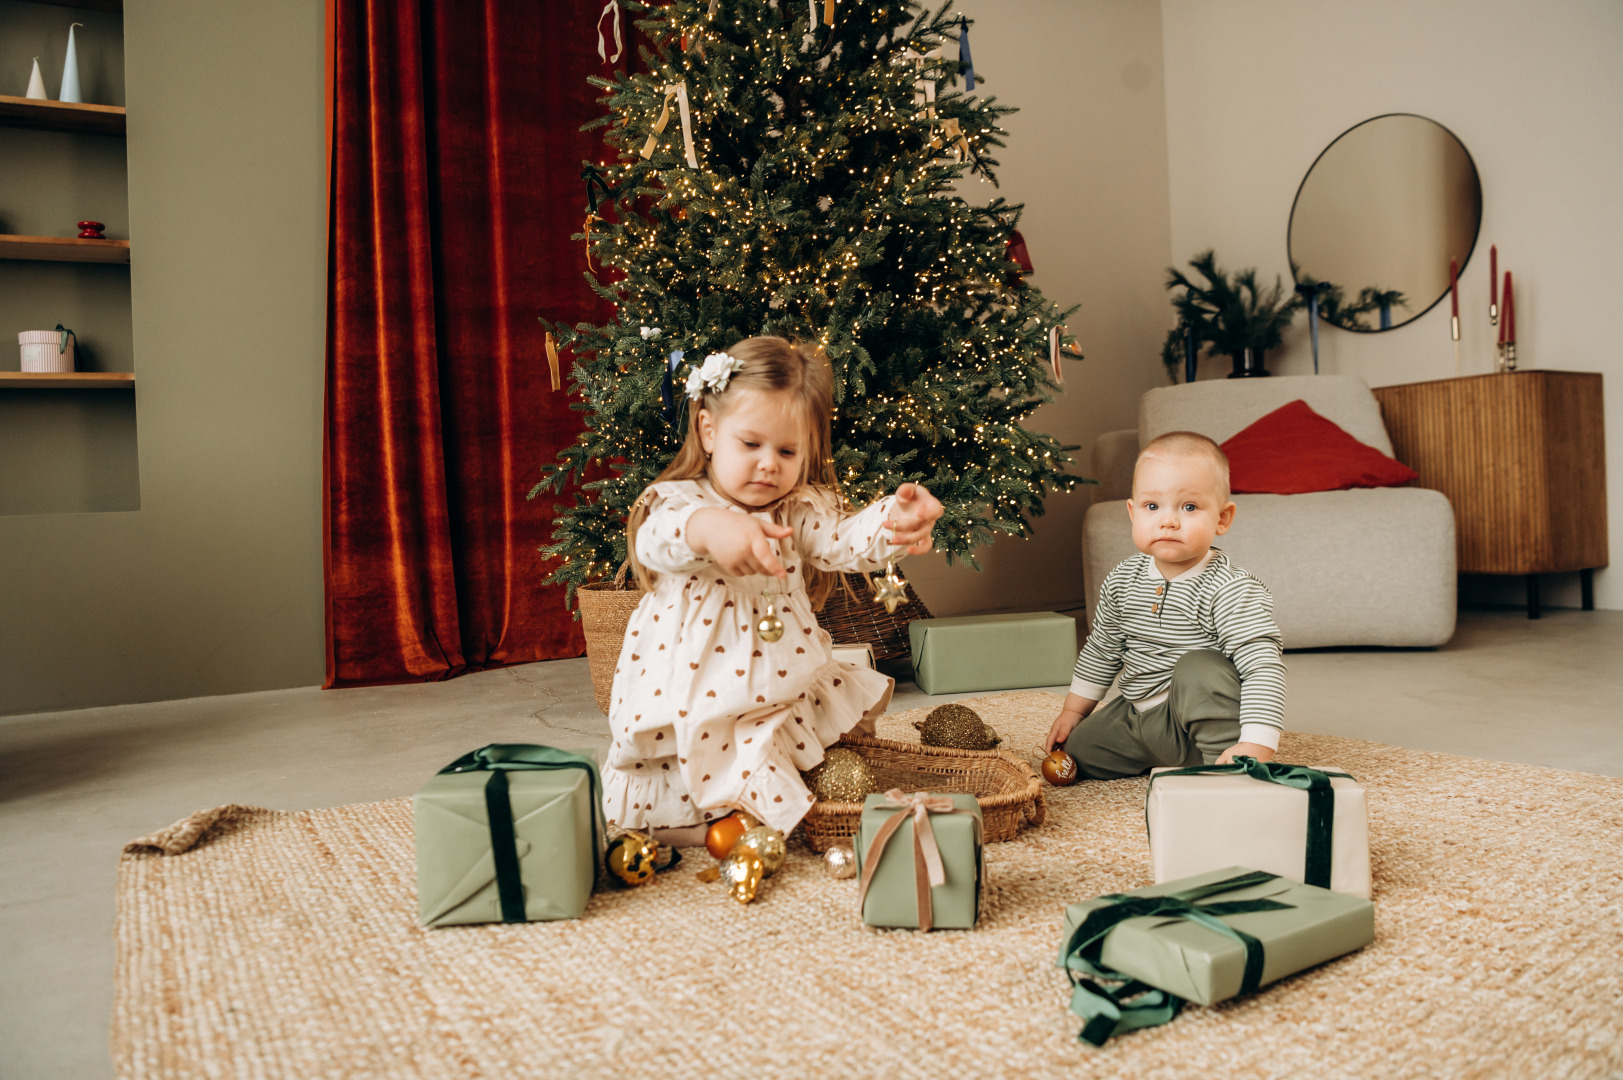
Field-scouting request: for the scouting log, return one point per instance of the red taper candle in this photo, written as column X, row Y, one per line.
column 1493, row 276
column 1454, row 287
column 1510, row 312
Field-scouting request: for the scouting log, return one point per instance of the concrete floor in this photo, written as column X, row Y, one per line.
column 75, row 786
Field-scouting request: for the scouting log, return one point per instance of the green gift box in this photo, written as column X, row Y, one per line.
column 1205, row 939
column 992, row 652
column 508, row 833
column 923, row 878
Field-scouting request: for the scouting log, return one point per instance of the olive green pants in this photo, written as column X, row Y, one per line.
column 1198, row 721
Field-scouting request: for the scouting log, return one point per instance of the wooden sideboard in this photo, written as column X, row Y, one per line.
column 1522, row 456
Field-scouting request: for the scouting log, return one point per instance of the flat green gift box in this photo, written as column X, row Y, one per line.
column 1204, row 938
column 892, row 895
column 508, row 833
column 992, row 652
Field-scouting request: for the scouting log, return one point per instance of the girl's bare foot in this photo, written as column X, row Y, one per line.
column 685, row 836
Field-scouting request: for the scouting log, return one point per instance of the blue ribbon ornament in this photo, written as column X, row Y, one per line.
column 966, row 63
column 667, row 388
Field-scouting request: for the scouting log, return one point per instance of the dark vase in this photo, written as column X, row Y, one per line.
column 1248, row 364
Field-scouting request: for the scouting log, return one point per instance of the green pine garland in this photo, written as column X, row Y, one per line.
column 820, row 210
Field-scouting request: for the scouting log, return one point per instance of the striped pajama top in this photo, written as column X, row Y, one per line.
column 1143, row 623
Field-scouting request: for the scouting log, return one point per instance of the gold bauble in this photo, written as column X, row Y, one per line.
column 841, row 862
column 842, row 776
column 722, row 835
column 741, row 872
column 766, row 842
column 1059, row 769
column 631, row 857
column 770, row 628
column 958, row 727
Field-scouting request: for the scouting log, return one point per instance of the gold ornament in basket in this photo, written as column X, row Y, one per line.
column 1008, row 789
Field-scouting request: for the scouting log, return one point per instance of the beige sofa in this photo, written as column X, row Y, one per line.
column 1369, row 566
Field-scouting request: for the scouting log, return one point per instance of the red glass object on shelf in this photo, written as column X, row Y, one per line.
column 91, row 230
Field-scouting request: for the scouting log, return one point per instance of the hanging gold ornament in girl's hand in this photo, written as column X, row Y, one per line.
column 889, row 588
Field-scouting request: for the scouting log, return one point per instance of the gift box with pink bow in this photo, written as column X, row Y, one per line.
column 920, row 859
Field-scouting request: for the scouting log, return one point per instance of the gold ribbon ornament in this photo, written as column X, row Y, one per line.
column 928, row 870
column 678, row 91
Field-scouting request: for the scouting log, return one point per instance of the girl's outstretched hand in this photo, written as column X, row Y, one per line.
column 913, row 517
column 738, row 543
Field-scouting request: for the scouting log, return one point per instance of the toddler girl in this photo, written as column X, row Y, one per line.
column 706, row 716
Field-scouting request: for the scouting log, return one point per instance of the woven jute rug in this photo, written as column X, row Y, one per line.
column 256, row 943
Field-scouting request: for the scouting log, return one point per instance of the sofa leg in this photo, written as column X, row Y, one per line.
column 1532, row 596
column 1586, row 581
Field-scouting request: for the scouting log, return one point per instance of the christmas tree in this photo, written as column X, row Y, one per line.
column 786, row 168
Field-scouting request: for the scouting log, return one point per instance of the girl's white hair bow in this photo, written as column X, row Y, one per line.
column 713, row 375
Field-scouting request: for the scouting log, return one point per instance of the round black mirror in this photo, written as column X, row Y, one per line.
column 1378, row 217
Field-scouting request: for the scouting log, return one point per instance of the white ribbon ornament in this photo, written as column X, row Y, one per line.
column 611, row 9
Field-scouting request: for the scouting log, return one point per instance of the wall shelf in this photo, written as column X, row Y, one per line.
column 61, row 116
column 64, row 249
column 115, row 6
column 74, row 380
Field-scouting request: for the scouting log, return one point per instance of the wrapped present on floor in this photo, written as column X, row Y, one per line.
column 992, row 652
column 860, row 654
column 920, row 860
column 508, row 833
column 1205, row 939
column 1308, row 825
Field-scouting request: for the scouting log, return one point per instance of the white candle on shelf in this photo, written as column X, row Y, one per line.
column 70, row 71
column 36, row 84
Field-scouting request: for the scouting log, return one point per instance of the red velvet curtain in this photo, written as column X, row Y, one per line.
column 455, row 187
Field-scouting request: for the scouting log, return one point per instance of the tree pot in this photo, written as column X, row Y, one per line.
column 1248, row 364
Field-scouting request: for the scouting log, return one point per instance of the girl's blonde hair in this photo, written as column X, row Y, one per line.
column 770, row 365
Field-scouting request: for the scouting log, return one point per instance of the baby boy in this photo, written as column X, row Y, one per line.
column 1192, row 635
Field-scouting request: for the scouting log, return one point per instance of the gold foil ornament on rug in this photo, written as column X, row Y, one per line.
column 842, row 776
column 889, row 588
column 631, row 858
column 841, row 862
column 958, row 727
column 768, row 845
column 741, row 873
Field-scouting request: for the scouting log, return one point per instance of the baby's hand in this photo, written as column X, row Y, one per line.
column 1245, row 749
column 913, row 516
column 738, row 543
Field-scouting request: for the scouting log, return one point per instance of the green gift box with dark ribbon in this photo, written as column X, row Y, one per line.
column 921, row 860
column 992, row 652
column 1134, row 958
column 508, row 833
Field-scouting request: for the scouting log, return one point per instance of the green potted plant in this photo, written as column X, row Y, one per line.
column 1229, row 315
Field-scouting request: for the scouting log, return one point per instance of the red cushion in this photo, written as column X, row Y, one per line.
column 1294, row 450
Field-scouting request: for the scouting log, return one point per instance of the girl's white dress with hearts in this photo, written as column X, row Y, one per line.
column 705, row 715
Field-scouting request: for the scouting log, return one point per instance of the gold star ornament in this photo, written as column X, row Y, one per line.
column 889, row 588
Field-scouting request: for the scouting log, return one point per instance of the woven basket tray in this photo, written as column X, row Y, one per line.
column 1008, row 789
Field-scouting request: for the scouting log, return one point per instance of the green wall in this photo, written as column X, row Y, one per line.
column 214, row 584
